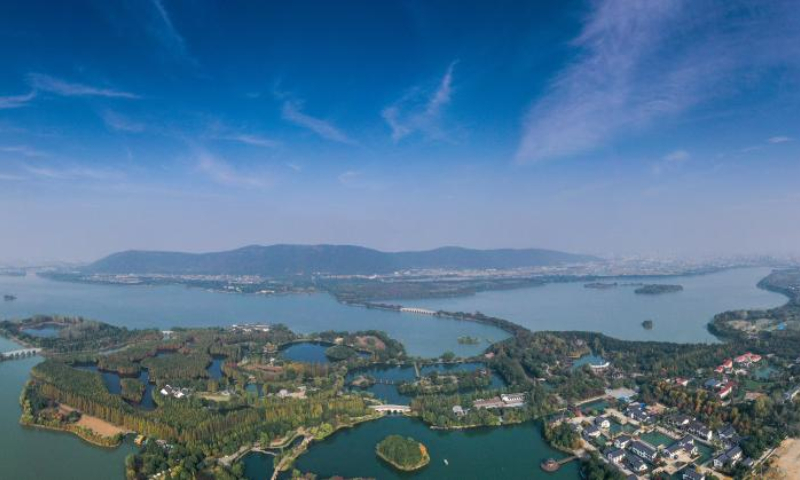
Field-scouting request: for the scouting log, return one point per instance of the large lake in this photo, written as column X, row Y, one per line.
column 618, row 312
column 512, row 452
column 168, row 306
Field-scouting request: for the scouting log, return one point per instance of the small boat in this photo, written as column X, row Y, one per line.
column 446, row 462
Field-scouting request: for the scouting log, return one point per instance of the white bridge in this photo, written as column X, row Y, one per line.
column 391, row 408
column 22, row 353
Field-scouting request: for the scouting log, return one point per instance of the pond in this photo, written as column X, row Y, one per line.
column 113, row 383
column 308, row 352
column 388, row 376
column 215, row 368
column 255, row 388
column 587, row 360
column 44, row 332
column 597, row 405
column 505, row 452
column 258, row 466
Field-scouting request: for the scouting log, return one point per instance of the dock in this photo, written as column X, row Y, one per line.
column 552, row 465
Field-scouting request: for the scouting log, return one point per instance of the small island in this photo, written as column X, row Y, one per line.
column 403, row 453
column 601, row 285
column 647, row 324
column 658, row 289
column 467, row 340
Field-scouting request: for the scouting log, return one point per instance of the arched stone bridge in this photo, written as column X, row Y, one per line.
column 387, row 408
column 21, row 353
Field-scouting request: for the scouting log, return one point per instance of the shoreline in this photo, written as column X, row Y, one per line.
column 423, row 463
column 78, row 432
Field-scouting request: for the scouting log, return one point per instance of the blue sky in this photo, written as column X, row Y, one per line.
column 611, row 127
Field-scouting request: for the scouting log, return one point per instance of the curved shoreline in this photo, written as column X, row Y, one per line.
column 78, row 432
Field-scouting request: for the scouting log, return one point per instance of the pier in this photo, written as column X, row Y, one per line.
column 17, row 354
column 551, row 464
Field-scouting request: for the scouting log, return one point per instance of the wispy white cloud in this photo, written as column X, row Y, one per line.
column 347, row 177
column 420, row 110
column 46, row 83
column 678, row 156
column 671, row 161
column 776, row 140
column 23, row 150
column 292, row 111
column 121, row 123
column 358, row 180
column 16, row 101
column 221, row 172
column 73, row 173
column 218, row 130
column 640, row 61
column 168, row 34
column 248, row 139
column 10, row 177
column 779, row 139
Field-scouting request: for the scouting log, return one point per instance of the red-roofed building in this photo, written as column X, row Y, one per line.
column 748, row 358
column 726, row 389
column 728, row 363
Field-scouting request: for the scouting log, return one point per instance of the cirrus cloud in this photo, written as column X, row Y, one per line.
column 640, row 61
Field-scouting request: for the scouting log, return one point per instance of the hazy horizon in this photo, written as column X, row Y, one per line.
column 597, row 127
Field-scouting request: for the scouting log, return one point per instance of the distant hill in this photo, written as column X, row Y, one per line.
column 283, row 260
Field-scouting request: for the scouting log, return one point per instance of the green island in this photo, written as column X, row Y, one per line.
column 197, row 400
column 467, row 340
column 601, row 285
column 403, row 453
column 658, row 289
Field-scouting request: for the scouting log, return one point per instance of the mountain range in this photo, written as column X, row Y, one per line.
column 286, row 260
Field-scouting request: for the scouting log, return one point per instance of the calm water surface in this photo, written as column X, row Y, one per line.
column 512, row 452
column 168, row 306
column 33, row 454
column 618, row 312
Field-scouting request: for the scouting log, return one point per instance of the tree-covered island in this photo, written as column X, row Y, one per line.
column 658, row 289
column 403, row 453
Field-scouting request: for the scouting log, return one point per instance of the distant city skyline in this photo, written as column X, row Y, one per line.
column 599, row 127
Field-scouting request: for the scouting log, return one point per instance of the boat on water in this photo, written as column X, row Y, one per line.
column 446, row 462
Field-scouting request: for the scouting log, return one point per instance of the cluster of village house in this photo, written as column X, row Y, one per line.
column 169, row 391
column 634, row 456
column 506, row 400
